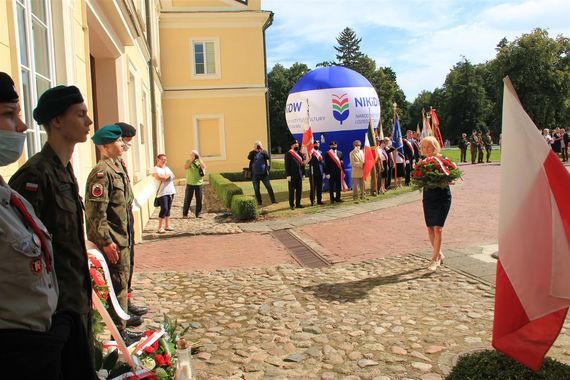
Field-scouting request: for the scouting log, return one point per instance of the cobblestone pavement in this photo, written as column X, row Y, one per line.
column 375, row 314
column 384, row 318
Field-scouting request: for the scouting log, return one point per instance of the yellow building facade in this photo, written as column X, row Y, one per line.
column 188, row 74
column 105, row 49
column 214, row 80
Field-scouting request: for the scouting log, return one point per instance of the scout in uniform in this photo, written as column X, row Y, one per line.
column 48, row 182
column 474, row 142
column 488, row 143
column 463, row 144
column 106, row 216
column 128, row 132
column 28, row 284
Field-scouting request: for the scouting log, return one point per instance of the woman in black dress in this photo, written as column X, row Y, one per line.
column 436, row 204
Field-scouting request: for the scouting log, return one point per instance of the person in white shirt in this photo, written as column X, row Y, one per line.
column 165, row 192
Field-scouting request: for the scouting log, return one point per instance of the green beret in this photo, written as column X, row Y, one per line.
column 56, row 101
column 127, row 130
column 106, row 135
column 8, row 92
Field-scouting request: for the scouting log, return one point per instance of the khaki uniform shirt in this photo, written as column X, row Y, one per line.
column 474, row 140
column 28, row 293
column 52, row 190
column 487, row 141
column 106, row 204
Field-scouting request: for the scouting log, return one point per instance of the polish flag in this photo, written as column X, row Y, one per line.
column 308, row 141
column 370, row 150
column 532, row 290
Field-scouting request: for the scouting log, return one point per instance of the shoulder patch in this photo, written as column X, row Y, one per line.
column 97, row 190
column 100, row 174
column 32, row 187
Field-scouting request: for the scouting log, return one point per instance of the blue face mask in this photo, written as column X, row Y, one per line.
column 11, row 146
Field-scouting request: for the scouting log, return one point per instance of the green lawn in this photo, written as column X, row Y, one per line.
column 281, row 209
column 454, row 154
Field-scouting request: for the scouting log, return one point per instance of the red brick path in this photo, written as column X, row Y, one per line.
column 473, row 220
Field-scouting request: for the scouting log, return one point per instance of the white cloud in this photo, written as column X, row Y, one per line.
column 420, row 40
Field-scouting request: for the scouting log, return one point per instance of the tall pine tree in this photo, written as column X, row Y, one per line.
column 348, row 50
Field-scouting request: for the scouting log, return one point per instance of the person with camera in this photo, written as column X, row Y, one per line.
column 259, row 166
column 195, row 172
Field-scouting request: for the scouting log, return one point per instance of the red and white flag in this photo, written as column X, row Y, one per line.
column 370, row 150
column 308, row 141
column 532, row 291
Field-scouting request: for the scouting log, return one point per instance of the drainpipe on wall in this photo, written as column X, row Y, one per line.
column 151, row 82
column 265, row 26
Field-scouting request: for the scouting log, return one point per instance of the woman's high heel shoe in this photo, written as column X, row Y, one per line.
column 441, row 257
column 433, row 266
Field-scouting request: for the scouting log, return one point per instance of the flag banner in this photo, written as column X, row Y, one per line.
column 397, row 136
column 426, row 128
column 370, row 151
column 532, row 289
column 307, row 144
column 435, row 127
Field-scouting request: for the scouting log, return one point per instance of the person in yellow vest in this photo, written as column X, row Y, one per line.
column 195, row 172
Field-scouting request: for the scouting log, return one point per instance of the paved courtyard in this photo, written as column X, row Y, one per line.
column 375, row 314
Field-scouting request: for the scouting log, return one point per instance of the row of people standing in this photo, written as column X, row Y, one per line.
column 558, row 140
column 477, row 142
column 45, row 313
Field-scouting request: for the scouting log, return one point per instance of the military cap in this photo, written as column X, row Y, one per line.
column 56, row 101
column 294, row 142
column 8, row 92
column 127, row 130
column 106, row 135
column 332, row 143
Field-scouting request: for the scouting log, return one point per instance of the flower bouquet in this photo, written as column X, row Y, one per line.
column 435, row 172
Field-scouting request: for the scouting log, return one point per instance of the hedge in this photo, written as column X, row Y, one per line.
column 490, row 364
column 244, row 207
column 239, row 177
column 224, row 188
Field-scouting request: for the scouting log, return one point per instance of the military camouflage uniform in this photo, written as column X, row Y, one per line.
column 130, row 196
column 488, row 143
column 106, row 215
column 475, row 141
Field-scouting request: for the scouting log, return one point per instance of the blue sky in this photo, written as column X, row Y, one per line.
column 420, row 40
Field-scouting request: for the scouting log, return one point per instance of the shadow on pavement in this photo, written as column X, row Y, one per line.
column 356, row 290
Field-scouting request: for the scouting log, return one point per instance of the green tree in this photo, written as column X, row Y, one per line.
column 385, row 83
column 539, row 67
column 348, row 49
column 465, row 104
column 280, row 82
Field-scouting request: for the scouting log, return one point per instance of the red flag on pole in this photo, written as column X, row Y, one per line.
column 435, row 126
column 532, row 289
column 307, row 144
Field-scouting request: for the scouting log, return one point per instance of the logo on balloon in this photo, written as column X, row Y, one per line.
column 340, row 107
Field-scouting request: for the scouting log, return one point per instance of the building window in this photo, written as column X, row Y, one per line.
column 206, row 58
column 209, row 134
column 35, row 45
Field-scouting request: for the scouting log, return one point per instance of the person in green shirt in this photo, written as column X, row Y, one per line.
column 195, row 171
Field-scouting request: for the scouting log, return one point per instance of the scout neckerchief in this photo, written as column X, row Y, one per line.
column 17, row 202
column 336, row 160
column 318, row 154
column 296, row 156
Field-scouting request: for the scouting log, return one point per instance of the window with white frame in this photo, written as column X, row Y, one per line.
column 206, row 58
column 36, row 58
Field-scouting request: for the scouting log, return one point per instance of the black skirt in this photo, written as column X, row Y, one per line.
column 436, row 204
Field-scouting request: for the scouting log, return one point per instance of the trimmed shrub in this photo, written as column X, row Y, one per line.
column 235, row 176
column 244, row 207
column 224, row 188
column 277, row 165
column 227, row 191
column 490, row 364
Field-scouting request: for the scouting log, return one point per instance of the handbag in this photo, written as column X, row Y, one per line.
column 201, row 172
column 156, row 201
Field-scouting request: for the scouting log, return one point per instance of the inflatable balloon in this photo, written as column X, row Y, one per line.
column 340, row 103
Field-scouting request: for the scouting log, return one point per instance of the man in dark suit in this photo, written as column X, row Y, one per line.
column 316, row 170
column 409, row 155
column 295, row 169
column 334, row 170
column 390, row 163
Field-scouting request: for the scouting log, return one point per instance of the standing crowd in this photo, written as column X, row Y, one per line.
column 558, row 141
column 45, row 313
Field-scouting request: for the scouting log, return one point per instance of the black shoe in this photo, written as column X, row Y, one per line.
column 274, row 201
column 131, row 337
column 300, row 206
column 320, row 203
column 339, row 200
column 134, row 321
column 292, row 207
column 137, row 310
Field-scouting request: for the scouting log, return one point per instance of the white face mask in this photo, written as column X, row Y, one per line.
column 11, row 146
column 357, row 148
column 126, row 146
